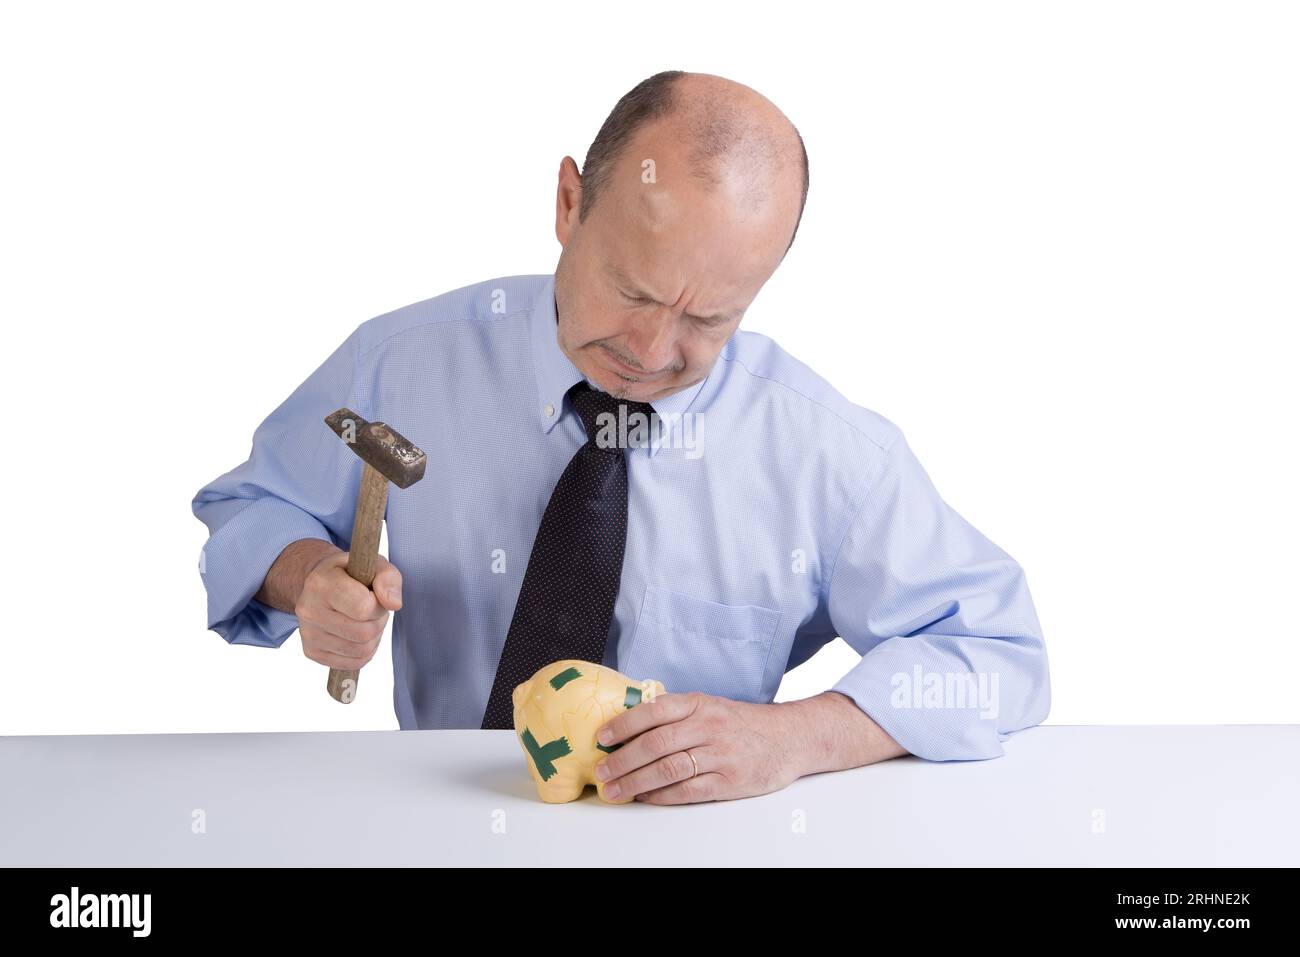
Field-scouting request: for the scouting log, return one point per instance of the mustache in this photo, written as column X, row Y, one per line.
column 636, row 365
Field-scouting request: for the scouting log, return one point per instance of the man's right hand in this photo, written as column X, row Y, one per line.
column 340, row 619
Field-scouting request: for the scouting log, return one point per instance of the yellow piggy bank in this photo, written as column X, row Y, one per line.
column 557, row 714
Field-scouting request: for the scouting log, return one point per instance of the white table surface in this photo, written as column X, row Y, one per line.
column 1180, row 796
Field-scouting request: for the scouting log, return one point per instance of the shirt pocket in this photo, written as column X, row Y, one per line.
column 693, row 644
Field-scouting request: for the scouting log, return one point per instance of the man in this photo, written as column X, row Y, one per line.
column 760, row 517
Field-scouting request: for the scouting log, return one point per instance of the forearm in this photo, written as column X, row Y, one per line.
column 832, row 734
column 284, row 580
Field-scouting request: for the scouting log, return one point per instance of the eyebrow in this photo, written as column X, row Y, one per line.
column 626, row 280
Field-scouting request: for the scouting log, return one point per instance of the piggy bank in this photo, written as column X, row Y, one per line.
column 557, row 714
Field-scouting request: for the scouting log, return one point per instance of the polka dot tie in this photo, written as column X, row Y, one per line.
column 567, row 597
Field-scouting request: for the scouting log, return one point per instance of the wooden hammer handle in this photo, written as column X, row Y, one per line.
column 362, row 555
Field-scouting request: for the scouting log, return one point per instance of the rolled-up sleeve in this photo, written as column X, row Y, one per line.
column 953, row 657
column 297, row 483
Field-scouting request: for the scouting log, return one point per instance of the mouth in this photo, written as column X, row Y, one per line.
column 625, row 371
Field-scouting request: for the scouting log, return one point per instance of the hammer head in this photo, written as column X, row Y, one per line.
column 380, row 447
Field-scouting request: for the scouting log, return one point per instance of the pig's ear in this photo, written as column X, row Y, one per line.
column 520, row 692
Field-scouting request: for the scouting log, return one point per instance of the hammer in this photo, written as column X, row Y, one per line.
column 387, row 457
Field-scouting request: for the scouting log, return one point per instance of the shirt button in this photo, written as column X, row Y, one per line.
column 549, row 410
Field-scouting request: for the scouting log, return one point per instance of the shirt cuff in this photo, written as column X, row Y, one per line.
column 233, row 565
column 927, row 699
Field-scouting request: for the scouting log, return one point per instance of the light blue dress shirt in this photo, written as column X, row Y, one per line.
column 784, row 516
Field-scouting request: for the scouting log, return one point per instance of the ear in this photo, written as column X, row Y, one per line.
column 568, row 199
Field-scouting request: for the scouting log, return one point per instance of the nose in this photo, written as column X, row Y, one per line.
column 652, row 344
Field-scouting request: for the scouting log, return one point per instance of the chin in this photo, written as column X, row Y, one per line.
column 638, row 388
column 621, row 388
column 612, row 382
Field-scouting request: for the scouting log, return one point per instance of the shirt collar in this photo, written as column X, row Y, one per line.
column 556, row 374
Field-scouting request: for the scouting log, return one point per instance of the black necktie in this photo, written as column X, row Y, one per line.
column 567, row 598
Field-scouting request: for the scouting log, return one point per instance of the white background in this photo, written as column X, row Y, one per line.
column 1057, row 244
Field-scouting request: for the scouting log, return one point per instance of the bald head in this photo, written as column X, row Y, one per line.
column 690, row 199
column 722, row 134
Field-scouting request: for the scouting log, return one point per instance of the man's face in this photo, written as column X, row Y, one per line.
column 650, row 288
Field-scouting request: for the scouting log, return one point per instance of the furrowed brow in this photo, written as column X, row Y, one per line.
column 626, row 280
column 622, row 277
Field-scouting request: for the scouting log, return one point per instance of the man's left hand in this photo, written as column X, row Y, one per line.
column 742, row 750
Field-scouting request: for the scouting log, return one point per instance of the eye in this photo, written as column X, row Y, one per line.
column 631, row 298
